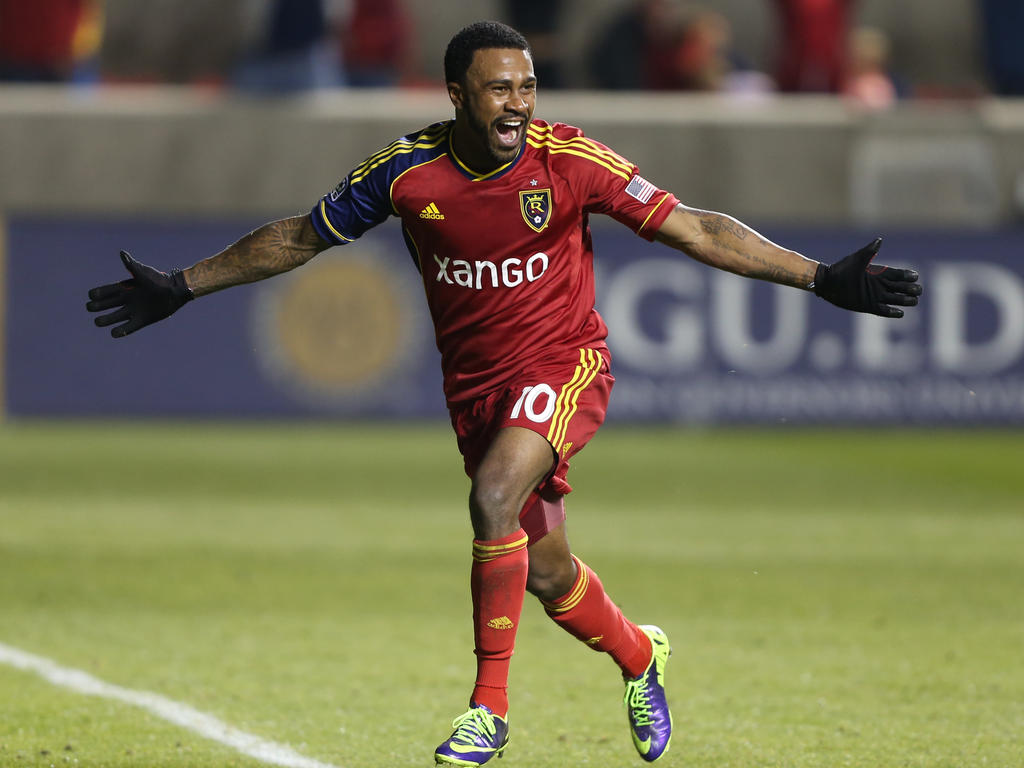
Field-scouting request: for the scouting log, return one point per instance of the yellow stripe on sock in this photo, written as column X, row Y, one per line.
column 574, row 597
column 483, row 553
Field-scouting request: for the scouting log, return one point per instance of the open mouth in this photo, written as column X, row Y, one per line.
column 509, row 131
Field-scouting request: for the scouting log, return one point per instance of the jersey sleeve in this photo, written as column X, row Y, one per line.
column 349, row 210
column 360, row 202
column 607, row 183
column 363, row 198
column 640, row 205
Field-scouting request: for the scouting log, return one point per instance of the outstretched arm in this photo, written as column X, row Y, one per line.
column 851, row 283
column 150, row 295
column 722, row 242
column 274, row 248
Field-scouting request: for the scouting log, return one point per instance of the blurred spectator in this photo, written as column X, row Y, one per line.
column 542, row 30
column 664, row 45
column 639, row 48
column 1002, row 23
column 37, row 38
column 617, row 59
column 296, row 51
column 812, row 44
column 868, row 82
column 701, row 57
column 377, row 43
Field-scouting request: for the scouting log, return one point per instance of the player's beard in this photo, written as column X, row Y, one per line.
column 487, row 135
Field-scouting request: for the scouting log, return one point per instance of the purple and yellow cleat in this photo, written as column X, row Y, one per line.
column 479, row 735
column 650, row 722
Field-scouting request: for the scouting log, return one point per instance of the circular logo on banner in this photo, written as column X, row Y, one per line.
column 335, row 328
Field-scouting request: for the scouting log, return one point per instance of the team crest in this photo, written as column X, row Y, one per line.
column 536, row 207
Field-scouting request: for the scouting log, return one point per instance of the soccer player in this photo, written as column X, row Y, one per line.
column 494, row 208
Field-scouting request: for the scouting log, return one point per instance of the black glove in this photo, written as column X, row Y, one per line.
column 149, row 295
column 854, row 283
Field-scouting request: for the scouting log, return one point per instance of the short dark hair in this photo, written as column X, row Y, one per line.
column 468, row 40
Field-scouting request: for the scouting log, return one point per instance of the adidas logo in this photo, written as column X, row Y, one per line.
column 432, row 212
column 502, row 622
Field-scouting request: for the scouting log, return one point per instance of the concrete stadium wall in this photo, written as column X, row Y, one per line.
column 176, row 174
column 793, row 160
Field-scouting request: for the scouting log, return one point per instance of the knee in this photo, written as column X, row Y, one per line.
column 493, row 509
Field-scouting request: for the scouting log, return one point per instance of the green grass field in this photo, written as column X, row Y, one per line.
column 834, row 598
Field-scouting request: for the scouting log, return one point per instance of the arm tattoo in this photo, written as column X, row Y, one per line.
column 273, row 248
column 715, row 224
column 738, row 249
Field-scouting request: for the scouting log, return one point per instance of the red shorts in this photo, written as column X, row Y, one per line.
column 563, row 400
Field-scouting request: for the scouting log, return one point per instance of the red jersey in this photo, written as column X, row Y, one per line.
column 506, row 258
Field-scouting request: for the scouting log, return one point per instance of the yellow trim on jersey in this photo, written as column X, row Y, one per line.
column 476, row 176
column 581, row 151
column 545, row 135
column 663, row 199
column 565, row 407
column 483, row 553
column 429, row 134
column 323, row 215
column 427, row 140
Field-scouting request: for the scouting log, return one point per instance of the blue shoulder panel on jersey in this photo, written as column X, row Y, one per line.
column 363, row 199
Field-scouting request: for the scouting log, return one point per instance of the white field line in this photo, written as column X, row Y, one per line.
column 172, row 711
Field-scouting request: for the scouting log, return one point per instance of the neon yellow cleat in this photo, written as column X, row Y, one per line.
column 479, row 735
column 650, row 721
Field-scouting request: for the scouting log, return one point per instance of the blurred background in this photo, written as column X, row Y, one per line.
column 239, row 507
column 169, row 129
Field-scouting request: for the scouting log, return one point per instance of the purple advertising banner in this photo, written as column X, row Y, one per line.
column 348, row 335
column 696, row 345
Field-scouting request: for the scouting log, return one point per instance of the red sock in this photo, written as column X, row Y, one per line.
column 588, row 614
column 498, row 581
